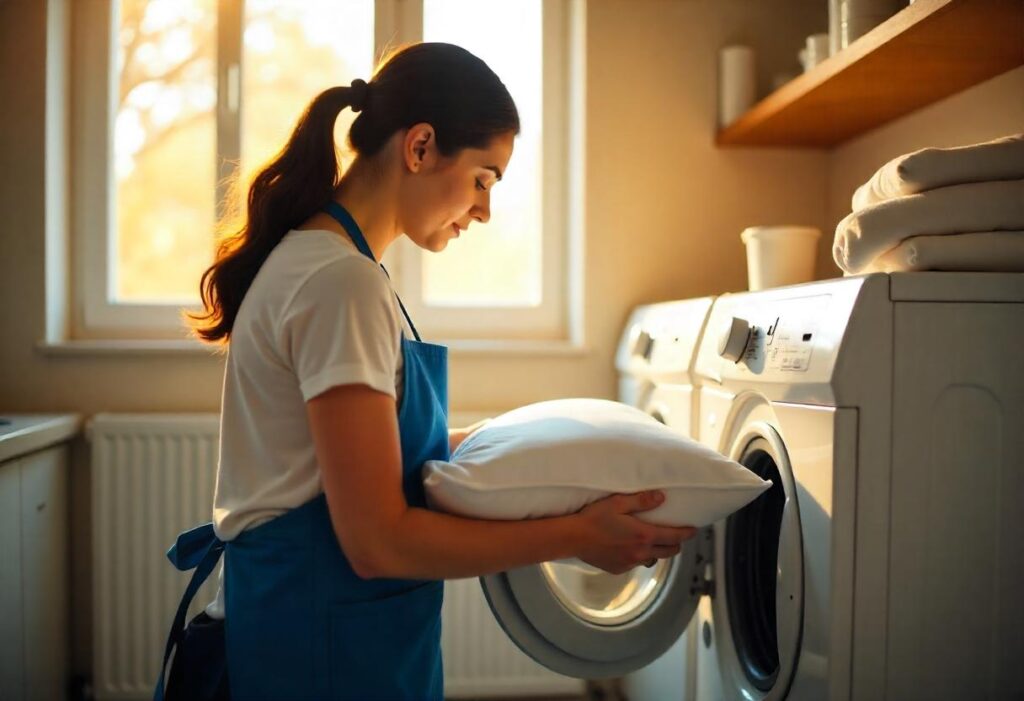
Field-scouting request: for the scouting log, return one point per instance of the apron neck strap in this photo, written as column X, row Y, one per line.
column 342, row 216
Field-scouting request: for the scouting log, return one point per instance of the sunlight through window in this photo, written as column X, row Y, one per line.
column 498, row 263
column 291, row 52
column 165, row 133
column 164, row 146
column 165, row 129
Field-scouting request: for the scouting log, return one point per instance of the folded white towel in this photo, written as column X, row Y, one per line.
column 988, row 251
column 864, row 235
column 930, row 168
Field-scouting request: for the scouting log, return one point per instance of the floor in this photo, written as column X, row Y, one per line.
column 602, row 690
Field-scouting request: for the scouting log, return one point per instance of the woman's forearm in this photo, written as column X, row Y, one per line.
column 430, row 545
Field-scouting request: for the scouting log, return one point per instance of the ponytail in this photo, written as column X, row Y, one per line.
column 299, row 182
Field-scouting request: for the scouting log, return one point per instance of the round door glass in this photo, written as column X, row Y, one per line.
column 601, row 598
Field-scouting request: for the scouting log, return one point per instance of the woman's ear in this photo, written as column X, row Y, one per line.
column 418, row 149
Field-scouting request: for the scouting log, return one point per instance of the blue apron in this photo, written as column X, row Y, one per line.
column 299, row 623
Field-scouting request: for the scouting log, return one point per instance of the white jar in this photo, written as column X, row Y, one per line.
column 780, row 255
column 855, row 18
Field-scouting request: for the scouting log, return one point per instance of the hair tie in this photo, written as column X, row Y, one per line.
column 357, row 94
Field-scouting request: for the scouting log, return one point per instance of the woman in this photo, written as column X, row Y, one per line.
column 333, row 571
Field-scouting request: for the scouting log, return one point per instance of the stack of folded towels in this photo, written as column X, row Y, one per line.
column 939, row 209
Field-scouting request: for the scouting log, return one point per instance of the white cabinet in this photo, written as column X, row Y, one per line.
column 34, row 596
column 12, row 667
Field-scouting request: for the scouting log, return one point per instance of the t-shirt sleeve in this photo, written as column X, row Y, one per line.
column 340, row 328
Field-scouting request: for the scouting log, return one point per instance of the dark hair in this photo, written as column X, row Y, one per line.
column 440, row 84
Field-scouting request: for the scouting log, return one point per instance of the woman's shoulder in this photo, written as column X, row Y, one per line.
column 321, row 240
column 324, row 267
column 303, row 253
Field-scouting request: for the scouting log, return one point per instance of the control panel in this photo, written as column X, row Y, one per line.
column 786, row 343
column 775, row 337
column 660, row 339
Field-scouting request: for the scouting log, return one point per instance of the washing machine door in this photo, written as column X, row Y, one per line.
column 580, row 621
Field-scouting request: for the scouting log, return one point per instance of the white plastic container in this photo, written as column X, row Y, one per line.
column 780, row 255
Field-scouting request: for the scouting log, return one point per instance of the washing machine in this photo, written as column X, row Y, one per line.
column 885, row 562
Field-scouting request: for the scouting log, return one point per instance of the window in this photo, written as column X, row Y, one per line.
column 198, row 88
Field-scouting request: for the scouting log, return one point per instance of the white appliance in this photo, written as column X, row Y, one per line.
column 655, row 362
column 886, row 561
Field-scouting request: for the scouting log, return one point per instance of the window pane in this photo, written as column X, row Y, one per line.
column 291, row 52
column 507, row 36
column 164, row 145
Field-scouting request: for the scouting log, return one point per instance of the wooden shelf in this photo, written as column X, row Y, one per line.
column 925, row 52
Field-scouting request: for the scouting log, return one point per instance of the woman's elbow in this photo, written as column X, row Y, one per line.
column 372, row 562
column 365, row 569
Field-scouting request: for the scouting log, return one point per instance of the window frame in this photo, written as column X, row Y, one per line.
column 93, row 52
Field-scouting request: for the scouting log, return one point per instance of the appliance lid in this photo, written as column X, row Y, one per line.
column 583, row 622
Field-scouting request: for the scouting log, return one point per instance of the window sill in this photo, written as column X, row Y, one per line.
column 123, row 346
column 187, row 347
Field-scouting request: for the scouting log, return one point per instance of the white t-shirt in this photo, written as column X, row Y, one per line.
column 318, row 314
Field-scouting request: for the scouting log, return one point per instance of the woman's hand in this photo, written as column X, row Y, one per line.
column 616, row 541
column 457, row 435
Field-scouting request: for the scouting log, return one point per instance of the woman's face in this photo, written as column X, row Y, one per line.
column 442, row 195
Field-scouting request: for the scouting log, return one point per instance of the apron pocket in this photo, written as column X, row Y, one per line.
column 388, row 648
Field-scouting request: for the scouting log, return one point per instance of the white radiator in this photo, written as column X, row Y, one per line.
column 153, row 477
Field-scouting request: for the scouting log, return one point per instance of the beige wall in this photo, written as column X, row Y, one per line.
column 663, row 209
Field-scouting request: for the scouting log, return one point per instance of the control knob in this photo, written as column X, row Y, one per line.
column 734, row 339
column 642, row 345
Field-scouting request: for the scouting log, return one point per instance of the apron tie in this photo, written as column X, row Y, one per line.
column 198, row 549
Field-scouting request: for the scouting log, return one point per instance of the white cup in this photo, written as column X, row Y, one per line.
column 780, row 255
column 817, row 50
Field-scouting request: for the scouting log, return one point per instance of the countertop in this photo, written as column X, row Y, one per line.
column 25, row 433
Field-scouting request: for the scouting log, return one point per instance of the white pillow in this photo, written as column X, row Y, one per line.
column 554, row 458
